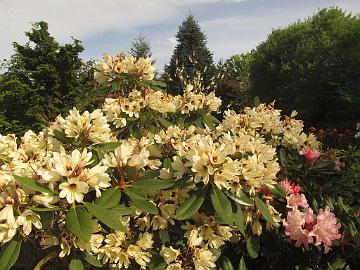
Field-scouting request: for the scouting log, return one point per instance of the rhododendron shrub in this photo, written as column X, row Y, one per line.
column 154, row 181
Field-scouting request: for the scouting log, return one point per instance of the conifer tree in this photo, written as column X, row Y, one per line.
column 140, row 47
column 191, row 55
column 43, row 79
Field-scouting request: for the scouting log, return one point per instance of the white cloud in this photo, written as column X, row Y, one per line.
column 78, row 18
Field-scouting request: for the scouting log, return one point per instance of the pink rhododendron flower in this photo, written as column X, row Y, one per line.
column 310, row 155
column 326, row 229
column 305, row 228
column 296, row 200
column 295, row 228
column 290, row 187
column 338, row 165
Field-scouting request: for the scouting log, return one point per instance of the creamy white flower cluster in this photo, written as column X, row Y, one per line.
column 112, row 66
column 265, row 121
column 120, row 110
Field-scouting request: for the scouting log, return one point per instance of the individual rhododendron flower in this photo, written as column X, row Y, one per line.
column 73, row 190
column 204, row 259
column 169, row 254
column 311, row 155
column 27, row 219
column 325, row 229
column 338, row 165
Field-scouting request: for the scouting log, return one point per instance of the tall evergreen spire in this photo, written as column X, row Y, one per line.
column 191, row 54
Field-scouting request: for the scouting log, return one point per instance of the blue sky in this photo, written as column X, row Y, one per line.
column 231, row 26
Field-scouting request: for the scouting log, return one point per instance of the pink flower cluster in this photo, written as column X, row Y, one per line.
column 304, row 226
column 310, row 155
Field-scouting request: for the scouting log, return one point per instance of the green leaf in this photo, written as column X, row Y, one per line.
column 10, row 252
column 208, row 121
column 61, row 136
column 44, row 209
column 93, row 261
column 256, row 101
column 253, row 246
column 109, row 198
column 123, row 210
column 242, row 199
column 225, row 264
column 165, row 123
column 105, row 147
column 140, row 202
column 45, row 260
column 110, row 218
column 78, row 221
column 46, row 219
column 323, row 164
column 282, row 157
column 167, row 163
column 216, row 252
column 152, row 184
column 31, row 184
column 242, row 265
column 278, row 190
column 239, row 219
column 76, row 264
column 164, row 236
column 157, row 262
column 150, row 174
column 135, row 131
column 265, row 212
column 131, row 172
column 191, row 205
column 222, row 205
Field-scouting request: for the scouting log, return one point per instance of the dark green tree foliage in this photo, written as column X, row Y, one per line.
column 313, row 67
column 233, row 87
column 42, row 80
column 140, row 47
column 191, row 54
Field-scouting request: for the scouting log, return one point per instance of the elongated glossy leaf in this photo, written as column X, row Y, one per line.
column 191, row 205
column 123, row 210
column 61, row 136
column 141, row 202
column 239, row 219
column 164, row 236
column 46, row 219
column 150, row 174
column 256, row 101
column 165, row 123
column 278, row 190
column 78, row 222
column 152, row 184
column 106, row 147
column 225, row 264
column 76, row 264
column 135, row 131
column 93, row 261
column 9, row 253
column 31, row 184
column 45, row 260
column 157, row 262
column 222, row 205
column 208, row 121
column 242, row 265
column 45, row 209
column 264, row 211
column 110, row 218
column 109, row 198
column 242, row 199
column 253, row 246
